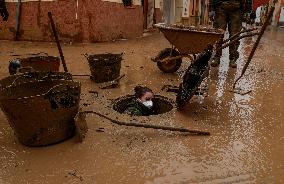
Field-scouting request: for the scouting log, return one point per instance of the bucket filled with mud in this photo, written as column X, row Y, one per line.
column 35, row 63
column 104, row 67
column 40, row 107
column 161, row 104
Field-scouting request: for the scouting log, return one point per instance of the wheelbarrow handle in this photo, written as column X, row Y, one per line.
column 236, row 40
column 239, row 33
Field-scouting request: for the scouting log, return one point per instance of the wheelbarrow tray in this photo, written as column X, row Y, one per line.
column 190, row 39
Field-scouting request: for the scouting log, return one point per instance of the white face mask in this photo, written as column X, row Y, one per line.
column 148, row 104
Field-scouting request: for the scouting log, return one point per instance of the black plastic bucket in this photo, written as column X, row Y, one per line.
column 40, row 107
column 104, row 67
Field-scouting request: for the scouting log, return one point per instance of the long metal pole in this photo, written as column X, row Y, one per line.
column 18, row 18
column 57, row 42
column 144, row 125
column 270, row 14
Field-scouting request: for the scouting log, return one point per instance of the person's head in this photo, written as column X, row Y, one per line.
column 144, row 95
column 14, row 65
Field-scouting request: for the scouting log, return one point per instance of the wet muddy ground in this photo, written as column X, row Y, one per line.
column 247, row 133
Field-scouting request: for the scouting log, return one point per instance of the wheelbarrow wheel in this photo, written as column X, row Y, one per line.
column 170, row 66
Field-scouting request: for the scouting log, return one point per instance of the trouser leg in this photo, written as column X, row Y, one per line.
column 234, row 26
column 220, row 23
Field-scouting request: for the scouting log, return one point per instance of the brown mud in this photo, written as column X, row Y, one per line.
column 247, row 133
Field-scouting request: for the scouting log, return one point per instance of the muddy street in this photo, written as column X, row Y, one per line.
column 246, row 144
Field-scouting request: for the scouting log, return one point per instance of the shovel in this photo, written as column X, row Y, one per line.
column 263, row 28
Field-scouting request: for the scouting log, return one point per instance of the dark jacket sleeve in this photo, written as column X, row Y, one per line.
column 132, row 110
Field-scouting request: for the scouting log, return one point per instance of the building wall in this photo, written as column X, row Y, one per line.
column 76, row 20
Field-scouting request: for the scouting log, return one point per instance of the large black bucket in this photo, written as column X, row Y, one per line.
column 104, row 67
column 40, row 107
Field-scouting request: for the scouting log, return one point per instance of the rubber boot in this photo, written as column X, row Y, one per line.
column 215, row 62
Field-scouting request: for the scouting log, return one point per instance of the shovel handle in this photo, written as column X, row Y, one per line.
column 263, row 28
column 57, row 42
column 195, row 132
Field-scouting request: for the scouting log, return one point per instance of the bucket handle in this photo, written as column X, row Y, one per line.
column 112, row 53
column 43, row 53
column 27, row 75
column 51, row 89
column 31, row 69
column 19, row 77
column 32, row 54
column 50, row 75
column 86, row 55
column 43, row 94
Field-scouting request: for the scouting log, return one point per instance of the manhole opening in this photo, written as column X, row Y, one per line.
column 161, row 104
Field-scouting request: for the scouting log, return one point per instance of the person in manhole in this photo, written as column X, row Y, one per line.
column 142, row 104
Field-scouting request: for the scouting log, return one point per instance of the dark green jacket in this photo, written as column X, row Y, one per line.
column 246, row 5
column 137, row 109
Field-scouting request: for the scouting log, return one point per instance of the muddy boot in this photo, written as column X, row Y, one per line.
column 233, row 64
column 215, row 62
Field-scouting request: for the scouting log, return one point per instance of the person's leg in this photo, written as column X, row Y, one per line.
column 220, row 23
column 234, row 27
